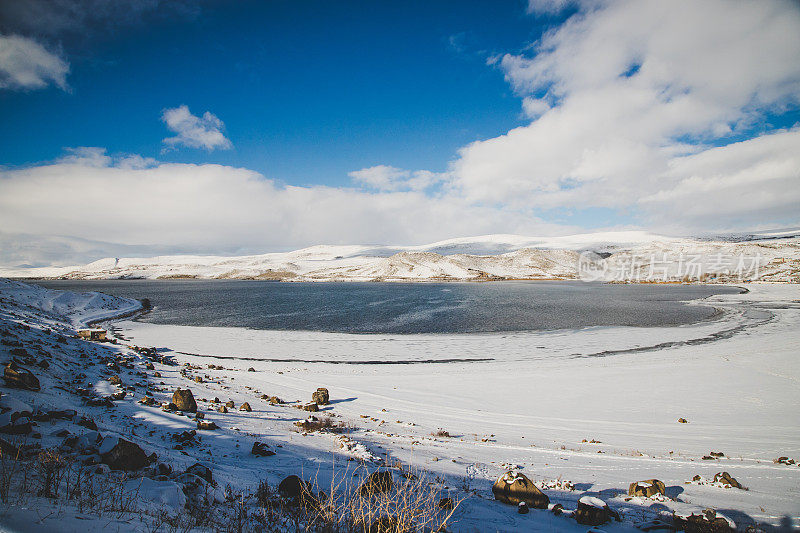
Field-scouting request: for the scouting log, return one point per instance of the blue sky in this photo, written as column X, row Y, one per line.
column 308, row 91
column 245, row 127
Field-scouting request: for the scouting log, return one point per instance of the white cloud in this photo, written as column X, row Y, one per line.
column 193, row 131
column 638, row 89
column 26, row 64
column 387, row 178
column 225, row 209
column 739, row 185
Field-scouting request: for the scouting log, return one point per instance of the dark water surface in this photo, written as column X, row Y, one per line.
column 408, row 307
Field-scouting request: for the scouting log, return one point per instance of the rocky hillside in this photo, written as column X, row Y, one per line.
column 623, row 256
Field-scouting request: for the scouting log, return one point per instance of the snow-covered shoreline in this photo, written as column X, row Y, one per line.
column 518, row 400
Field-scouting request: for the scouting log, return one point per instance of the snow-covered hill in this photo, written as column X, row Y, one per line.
column 610, row 256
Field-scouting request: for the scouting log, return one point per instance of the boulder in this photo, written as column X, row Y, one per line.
column 647, row 488
column 120, row 454
column 320, row 396
column 230, row 403
column 202, row 471
column 380, row 481
column 522, row 508
column 15, row 425
column 206, row 425
column 513, row 488
column 222, row 409
column 292, row 487
column 707, row 521
column 261, row 450
column 311, row 407
column 18, row 377
column 724, row 477
column 184, row 400
column 251, row 369
column 593, row 511
column 245, row 407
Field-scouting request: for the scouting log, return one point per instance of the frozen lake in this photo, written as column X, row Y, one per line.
column 400, row 308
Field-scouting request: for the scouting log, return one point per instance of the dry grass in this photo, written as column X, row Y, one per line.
column 324, row 423
column 413, row 502
column 441, row 433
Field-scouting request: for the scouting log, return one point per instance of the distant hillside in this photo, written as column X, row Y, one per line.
column 611, row 256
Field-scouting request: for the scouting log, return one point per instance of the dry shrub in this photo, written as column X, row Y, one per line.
column 411, row 504
column 441, row 433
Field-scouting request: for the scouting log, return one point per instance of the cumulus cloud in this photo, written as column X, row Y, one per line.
column 195, row 132
column 626, row 96
column 226, row 209
column 387, row 178
column 26, row 64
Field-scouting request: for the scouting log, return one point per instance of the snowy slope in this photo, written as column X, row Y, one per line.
column 79, row 308
column 620, row 256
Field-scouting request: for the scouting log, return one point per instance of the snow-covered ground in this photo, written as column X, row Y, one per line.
column 624, row 256
column 529, row 401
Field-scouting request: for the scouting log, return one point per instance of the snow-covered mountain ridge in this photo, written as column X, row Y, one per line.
column 610, row 256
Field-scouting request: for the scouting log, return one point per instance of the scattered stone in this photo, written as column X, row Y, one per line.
column 206, row 425
column 245, row 407
column 150, row 366
column 784, row 461
column 184, row 436
column 708, row 521
column 683, row 421
column 557, row 509
column 727, row 479
column 251, row 369
column 184, row 400
column 222, row 409
column 261, row 450
column 647, row 488
column 513, row 488
column 198, row 379
column 115, row 380
column 522, row 508
column 320, row 396
column 230, row 404
column 311, row 407
column 593, row 511
column 201, row 471
column 11, row 425
column 120, row 454
column 379, row 481
column 716, row 454
column 156, row 374
column 18, row 377
column 88, row 423
column 147, row 400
